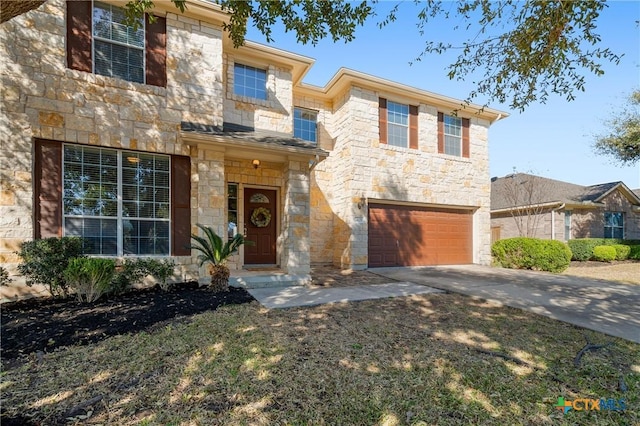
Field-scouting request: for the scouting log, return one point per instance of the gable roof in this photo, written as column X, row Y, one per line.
column 550, row 191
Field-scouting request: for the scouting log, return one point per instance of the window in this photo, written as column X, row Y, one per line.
column 249, row 81
column 118, row 201
column 567, row 225
column 99, row 42
column 118, row 50
column 304, row 124
column 398, row 124
column 232, row 209
column 453, row 135
column 613, row 225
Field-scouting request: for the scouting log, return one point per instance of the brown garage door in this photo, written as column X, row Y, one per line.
column 419, row 236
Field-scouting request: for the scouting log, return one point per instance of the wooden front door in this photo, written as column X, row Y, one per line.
column 260, row 221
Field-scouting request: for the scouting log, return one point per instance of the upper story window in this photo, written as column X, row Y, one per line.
column 305, row 124
column 249, row 81
column 453, row 135
column 613, row 225
column 118, row 50
column 398, row 124
column 99, row 42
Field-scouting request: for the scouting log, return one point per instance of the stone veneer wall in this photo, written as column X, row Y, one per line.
column 274, row 113
column 42, row 98
column 360, row 167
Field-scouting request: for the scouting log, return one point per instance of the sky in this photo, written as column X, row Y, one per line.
column 554, row 139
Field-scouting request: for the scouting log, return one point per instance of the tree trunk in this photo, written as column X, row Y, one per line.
column 11, row 9
column 220, row 278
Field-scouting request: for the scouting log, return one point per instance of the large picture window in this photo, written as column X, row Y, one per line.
column 613, row 225
column 118, row 49
column 118, row 201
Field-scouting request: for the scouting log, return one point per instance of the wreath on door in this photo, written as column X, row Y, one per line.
column 261, row 217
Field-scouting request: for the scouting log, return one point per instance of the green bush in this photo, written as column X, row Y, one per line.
column 634, row 253
column 90, row 277
column 604, row 253
column 133, row 271
column 622, row 251
column 4, row 276
column 532, row 253
column 44, row 262
column 582, row 249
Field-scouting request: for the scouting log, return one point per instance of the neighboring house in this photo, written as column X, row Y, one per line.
column 131, row 138
column 557, row 210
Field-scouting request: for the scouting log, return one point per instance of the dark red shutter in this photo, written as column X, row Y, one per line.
column 413, row 126
column 48, row 189
column 156, row 52
column 79, row 21
column 382, row 119
column 180, row 205
column 440, row 133
column 465, row 137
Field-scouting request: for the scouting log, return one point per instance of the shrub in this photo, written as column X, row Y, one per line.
column 90, row 277
column 532, row 253
column 622, row 251
column 604, row 253
column 582, row 249
column 133, row 271
column 44, row 262
column 4, row 276
column 634, row 253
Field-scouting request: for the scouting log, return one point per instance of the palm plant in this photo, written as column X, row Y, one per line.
column 216, row 252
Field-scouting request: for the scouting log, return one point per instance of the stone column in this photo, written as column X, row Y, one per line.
column 295, row 257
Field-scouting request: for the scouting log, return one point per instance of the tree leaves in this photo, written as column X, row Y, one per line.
column 622, row 143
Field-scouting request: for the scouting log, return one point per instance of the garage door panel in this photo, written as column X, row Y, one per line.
column 417, row 236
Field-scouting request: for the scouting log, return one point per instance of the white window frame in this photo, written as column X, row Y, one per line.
column 105, row 40
column 446, row 126
column 613, row 228
column 391, row 136
column 119, row 216
column 304, row 131
column 235, row 82
column 567, row 225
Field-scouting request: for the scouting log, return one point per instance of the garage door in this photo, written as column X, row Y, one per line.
column 419, row 236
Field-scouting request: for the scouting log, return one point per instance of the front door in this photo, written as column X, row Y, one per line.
column 260, row 222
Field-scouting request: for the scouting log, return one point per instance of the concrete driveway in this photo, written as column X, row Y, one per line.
column 599, row 305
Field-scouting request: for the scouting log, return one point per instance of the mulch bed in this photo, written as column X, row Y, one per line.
column 42, row 325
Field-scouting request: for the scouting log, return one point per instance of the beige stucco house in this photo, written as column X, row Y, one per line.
column 528, row 205
column 131, row 138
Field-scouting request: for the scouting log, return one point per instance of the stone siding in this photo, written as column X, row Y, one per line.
column 42, row 98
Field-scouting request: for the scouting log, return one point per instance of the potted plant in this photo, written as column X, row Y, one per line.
column 216, row 252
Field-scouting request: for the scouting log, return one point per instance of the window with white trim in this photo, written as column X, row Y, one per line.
column 614, row 225
column 249, row 81
column 118, row 49
column 305, row 124
column 118, row 201
column 397, row 124
column 567, row 225
column 452, row 135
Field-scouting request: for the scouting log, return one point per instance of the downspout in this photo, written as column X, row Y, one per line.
column 553, row 220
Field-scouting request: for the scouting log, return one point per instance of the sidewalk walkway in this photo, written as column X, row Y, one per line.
column 288, row 297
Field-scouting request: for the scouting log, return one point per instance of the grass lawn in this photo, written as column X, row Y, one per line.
column 624, row 272
column 422, row 360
